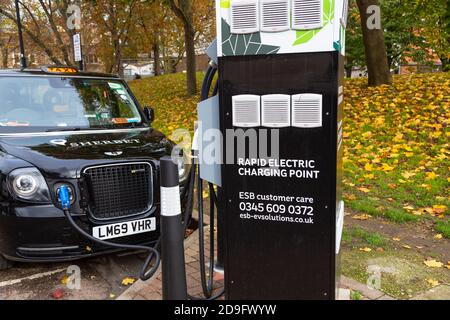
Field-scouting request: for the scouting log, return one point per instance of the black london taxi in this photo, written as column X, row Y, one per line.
column 88, row 131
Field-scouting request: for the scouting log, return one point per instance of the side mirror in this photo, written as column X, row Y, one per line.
column 149, row 114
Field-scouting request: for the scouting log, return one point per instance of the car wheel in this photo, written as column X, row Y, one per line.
column 4, row 264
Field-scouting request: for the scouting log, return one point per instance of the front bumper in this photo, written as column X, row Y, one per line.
column 43, row 234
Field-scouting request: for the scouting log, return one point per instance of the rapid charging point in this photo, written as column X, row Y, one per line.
column 281, row 96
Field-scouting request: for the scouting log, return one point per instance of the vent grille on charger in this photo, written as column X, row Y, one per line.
column 244, row 16
column 276, row 111
column 246, row 111
column 275, row 15
column 119, row 190
column 307, row 110
column 307, row 14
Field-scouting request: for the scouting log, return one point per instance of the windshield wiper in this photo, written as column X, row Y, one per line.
column 66, row 129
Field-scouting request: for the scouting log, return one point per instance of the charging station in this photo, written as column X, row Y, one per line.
column 281, row 67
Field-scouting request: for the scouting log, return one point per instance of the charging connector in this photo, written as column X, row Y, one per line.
column 64, row 199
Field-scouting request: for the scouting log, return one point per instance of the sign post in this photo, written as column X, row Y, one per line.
column 77, row 51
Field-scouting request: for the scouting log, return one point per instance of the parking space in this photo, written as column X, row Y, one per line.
column 101, row 278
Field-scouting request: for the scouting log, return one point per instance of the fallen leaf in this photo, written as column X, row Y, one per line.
column 362, row 217
column 406, row 246
column 128, row 281
column 408, row 175
column 57, row 294
column 433, row 282
column 430, row 176
column 365, row 249
column 438, row 236
column 396, row 239
column 364, row 189
column 432, row 263
column 439, row 208
column 65, row 280
column 380, row 250
column 112, row 295
column 409, row 208
column 419, row 247
column 369, row 176
column 386, row 167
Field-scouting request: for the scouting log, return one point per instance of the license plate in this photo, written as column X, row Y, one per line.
column 123, row 229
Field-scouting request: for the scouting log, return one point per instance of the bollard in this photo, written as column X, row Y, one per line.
column 172, row 233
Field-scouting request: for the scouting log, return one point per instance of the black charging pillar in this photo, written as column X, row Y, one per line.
column 283, row 216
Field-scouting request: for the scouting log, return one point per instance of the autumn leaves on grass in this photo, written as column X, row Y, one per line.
column 396, row 146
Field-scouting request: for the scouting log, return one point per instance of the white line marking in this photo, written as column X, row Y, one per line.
column 32, row 277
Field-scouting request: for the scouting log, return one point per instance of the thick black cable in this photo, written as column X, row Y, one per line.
column 144, row 274
column 207, row 281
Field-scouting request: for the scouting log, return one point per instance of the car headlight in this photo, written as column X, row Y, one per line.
column 28, row 184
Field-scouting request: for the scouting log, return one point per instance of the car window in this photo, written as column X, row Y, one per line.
column 66, row 102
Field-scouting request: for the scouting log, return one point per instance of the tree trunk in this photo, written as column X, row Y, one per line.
column 348, row 72
column 374, row 46
column 184, row 13
column 191, row 68
column 156, row 57
column 445, row 64
column 5, row 53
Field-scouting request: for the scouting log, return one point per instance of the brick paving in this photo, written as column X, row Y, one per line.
column 152, row 289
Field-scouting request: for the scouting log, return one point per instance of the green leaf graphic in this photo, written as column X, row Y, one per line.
column 226, row 4
column 304, row 36
column 243, row 44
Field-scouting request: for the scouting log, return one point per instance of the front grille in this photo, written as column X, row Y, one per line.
column 121, row 190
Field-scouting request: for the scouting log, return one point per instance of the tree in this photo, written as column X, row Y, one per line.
column 44, row 23
column 435, row 26
column 354, row 56
column 402, row 30
column 374, row 46
column 158, row 32
column 183, row 10
column 114, row 21
column 8, row 40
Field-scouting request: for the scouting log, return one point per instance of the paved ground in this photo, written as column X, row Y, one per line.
column 101, row 278
column 152, row 289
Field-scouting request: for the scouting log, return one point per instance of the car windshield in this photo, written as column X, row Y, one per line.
column 59, row 103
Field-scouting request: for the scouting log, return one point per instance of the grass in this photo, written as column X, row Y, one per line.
column 356, row 295
column 356, row 235
column 403, row 273
column 374, row 208
column 396, row 162
column 443, row 227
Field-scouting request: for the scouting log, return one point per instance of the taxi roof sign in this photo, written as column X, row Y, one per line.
column 59, row 70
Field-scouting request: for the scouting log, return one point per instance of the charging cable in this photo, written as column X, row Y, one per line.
column 206, row 280
column 64, row 200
